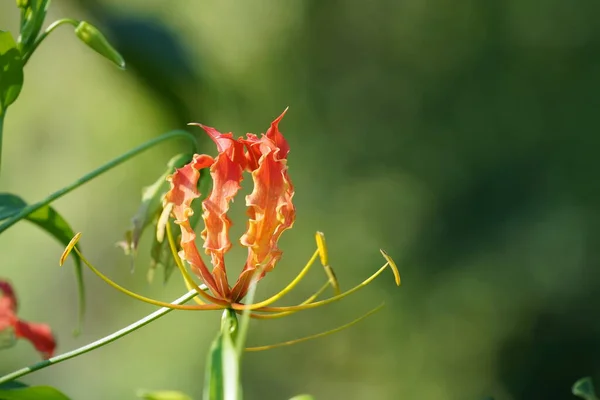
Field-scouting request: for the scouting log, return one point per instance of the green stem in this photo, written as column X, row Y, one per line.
column 98, row 343
column 25, row 211
column 2, row 113
column 245, row 320
column 45, row 34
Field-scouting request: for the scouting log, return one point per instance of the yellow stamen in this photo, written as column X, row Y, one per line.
column 318, row 335
column 392, row 264
column 284, row 313
column 69, row 248
column 318, row 303
column 285, row 290
column 322, row 246
column 143, row 298
column 187, row 279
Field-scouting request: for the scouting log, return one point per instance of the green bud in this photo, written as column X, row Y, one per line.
column 91, row 36
column 22, row 3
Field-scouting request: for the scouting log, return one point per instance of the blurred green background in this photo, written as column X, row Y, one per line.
column 462, row 137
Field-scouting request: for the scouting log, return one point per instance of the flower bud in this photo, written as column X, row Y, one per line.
column 91, row 36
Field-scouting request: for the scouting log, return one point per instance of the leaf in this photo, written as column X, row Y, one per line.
column 221, row 381
column 11, row 71
column 53, row 223
column 584, row 388
column 148, row 214
column 10, row 205
column 12, row 385
column 91, row 36
column 163, row 395
column 31, row 22
column 303, row 397
column 32, row 393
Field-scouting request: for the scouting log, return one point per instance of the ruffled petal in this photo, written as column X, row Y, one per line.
column 270, row 207
column 226, row 173
column 40, row 335
column 184, row 189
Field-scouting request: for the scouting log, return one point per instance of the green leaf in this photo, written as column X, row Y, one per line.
column 303, row 397
column 163, row 395
column 148, row 215
column 584, row 388
column 32, row 19
column 32, row 393
column 10, row 205
column 53, row 223
column 221, row 381
column 12, row 385
column 91, row 36
column 11, row 71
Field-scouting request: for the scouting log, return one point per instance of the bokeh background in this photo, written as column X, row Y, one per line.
column 462, row 137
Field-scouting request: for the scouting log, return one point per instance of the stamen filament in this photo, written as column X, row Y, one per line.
column 322, row 246
column 189, row 283
column 318, row 303
column 285, row 290
column 318, row 335
column 143, row 298
column 285, row 313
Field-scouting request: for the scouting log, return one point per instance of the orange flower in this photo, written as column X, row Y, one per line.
column 40, row 335
column 270, row 208
column 270, row 212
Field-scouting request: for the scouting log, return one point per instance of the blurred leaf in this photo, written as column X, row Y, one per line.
column 32, row 393
column 163, row 395
column 10, row 205
column 32, row 19
column 91, row 36
column 221, row 381
column 11, row 68
column 12, row 385
column 147, row 214
column 303, row 397
column 53, row 223
column 584, row 388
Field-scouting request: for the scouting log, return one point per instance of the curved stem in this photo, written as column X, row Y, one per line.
column 318, row 335
column 98, row 343
column 45, row 34
column 286, row 313
column 317, row 303
column 2, row 112
column 25, row 211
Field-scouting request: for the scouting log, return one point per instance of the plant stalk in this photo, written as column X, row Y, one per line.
column 45, row 34
column 98, row 343
column 25, row 211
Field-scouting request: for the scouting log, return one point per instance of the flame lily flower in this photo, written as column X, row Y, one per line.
column 40, row 335
column 270, row 212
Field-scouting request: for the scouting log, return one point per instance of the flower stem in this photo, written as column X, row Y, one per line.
column 45, row 34
column 25, row 211
column 2, row 113
column 98, row 343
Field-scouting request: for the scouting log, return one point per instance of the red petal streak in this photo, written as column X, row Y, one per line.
column 184, row 189
column 276, row 136
column 270, row 208
column 40, row 335
column 226, row 173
